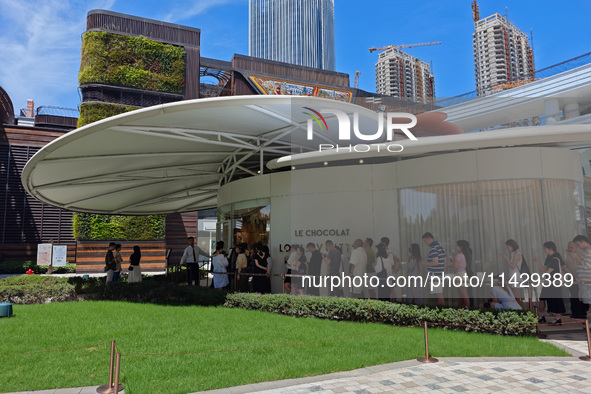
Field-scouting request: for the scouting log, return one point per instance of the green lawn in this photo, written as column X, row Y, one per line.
column 147, row 328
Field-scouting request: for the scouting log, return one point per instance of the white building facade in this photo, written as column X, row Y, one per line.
column 293, row 31
column 502, row 55
column 401, row 75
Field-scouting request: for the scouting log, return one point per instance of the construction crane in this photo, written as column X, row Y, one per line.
column 356, row 84
column 475, row 11
column 423, row 44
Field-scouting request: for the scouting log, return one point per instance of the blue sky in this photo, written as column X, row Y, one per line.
column 40, row 39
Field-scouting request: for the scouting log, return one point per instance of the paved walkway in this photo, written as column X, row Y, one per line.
column 450, row 375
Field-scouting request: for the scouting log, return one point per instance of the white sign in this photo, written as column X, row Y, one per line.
column 60, row 254
column 44, row 254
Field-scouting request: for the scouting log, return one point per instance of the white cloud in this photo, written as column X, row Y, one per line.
column 40, row 41
column 196, row 7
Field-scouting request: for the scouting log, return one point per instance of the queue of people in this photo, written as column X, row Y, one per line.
column 251, row 266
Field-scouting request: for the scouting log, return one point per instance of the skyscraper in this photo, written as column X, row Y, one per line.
column 502, row 55
column 293, row 31
column 399, row 74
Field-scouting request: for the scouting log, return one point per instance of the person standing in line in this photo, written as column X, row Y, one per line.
column 383, row 260
column 291, row 263
column 135, row 272
column 314, row 266
column 110, row 264
column 551, row 295
column 414, row 292
column 578, row 309
column 393, row 269
column 118, row 261
column 584, row 271
column 358, row 265
column 220, row 265
column 260, row 282
column 514, row 261
column 190, row 260
column 436, row 262
column 461, row 269
column 333, row 260
column 371, row 264
column 241, row 266
column 269, row 264
column 302, row 268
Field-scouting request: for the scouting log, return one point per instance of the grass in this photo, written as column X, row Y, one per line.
column 147, row 328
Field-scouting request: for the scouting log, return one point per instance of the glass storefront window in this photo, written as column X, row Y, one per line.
column 246, row 222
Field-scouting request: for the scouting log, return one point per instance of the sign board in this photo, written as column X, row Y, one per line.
column 44, row 252
column 60, row 254
column 209, row 225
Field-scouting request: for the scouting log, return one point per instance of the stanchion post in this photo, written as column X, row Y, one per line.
column 107, row 388
column 427, row 359
column 588, row 356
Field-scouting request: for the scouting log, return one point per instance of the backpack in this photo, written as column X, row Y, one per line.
column 524, row 268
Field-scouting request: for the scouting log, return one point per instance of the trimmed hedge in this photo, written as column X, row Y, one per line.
column 516, row 323
column 92, row 112
column 131, row 61
column 86, row 227
column 21, row 267
column 34, row 289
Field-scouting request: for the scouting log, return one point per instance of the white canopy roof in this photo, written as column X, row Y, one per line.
column 173, row 157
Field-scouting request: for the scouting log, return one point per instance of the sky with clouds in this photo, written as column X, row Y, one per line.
column 40, row 39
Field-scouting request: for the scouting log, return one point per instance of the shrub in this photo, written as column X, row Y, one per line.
column 92, row 112
column 113, row 227
column 473, row 320
column 34, row 289
column 135, row 62
column 21, row 267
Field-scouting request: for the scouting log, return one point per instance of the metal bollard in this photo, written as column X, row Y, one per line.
column 587, row 357
column 427, row 359
column 109, row 387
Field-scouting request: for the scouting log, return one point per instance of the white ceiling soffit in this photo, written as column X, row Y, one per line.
column 173, row 157
column 566, row 136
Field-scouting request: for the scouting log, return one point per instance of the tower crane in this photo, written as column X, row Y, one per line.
column 422, row 44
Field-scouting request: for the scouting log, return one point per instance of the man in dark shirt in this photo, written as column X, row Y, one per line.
column 314, row 265
column 110, row 264
column 333, row 260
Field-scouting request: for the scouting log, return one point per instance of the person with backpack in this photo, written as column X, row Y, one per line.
column 515, row 261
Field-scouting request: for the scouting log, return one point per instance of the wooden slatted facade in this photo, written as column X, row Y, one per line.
column 180, row 226
column 26, row 221
column 90, row 255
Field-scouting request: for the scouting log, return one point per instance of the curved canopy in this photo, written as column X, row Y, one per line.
column 173, row 157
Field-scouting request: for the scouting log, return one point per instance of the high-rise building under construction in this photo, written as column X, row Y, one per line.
column 503, row 57
column 293, row 31
column 399, row 74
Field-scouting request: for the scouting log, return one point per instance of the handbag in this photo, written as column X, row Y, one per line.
column 379, row 265
column 130, row 268
column 524, row 269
